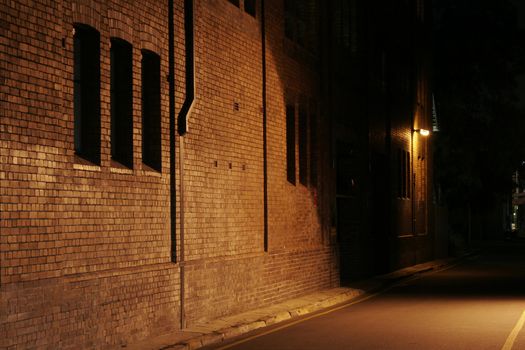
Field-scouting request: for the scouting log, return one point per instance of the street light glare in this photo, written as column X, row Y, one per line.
column 424, row 132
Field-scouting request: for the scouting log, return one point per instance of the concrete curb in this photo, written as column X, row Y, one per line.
column 340, row 296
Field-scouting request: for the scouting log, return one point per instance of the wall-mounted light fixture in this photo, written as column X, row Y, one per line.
column 422, row 132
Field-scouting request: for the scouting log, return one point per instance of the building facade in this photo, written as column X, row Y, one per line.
column 165, row 163
column 380, row 98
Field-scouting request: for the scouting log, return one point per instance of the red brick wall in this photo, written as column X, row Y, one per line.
column 227, row 268
column 85, row 250
column 224, row 146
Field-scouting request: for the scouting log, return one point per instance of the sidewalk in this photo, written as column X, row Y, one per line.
column 225, row 328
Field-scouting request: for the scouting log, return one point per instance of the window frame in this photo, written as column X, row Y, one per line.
column 314, row 145
column 151, row 110
column 303, row 145
column 86, row 92
column 290, row 144
column 121, row 101
column 404, row 180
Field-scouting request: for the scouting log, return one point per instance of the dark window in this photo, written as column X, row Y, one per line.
column 341, row 23
column 303, row 147
column 403, row 185
column 86, row 92
column 408, row 175
column 345, row 167
column 121, row 102
column 290, row 144
column 420, row 10
column 151, row 136
column 344, row 24
column 294, row 26
column 300, row 23
column 250, row 7
column 400, row 171
column 235, row 2
column 314, row 144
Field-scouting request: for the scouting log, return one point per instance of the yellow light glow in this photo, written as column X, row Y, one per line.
column 424, row 132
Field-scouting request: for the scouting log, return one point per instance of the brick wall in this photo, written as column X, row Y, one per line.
column 382, row 92
column 228, row 269
column 85, row 249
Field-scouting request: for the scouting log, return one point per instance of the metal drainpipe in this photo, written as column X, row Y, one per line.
column 181, row 261
column 171, row 81
column 265, row 115
column 182, row 124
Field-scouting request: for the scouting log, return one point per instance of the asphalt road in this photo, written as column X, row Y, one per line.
column 478, row 304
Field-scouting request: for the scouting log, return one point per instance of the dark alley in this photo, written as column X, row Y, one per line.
column 175, row 174
column 476, row 304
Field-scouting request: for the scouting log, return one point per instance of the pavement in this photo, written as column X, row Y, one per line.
column 225, row 328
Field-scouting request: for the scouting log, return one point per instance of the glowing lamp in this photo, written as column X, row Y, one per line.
column 423, row 132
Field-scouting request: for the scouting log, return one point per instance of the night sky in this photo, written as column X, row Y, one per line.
column 479, row 61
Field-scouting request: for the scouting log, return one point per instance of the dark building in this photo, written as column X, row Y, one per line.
column 165, row 163
column 379, row 93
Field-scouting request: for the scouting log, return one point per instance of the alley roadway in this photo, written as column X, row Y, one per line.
column 477, row 304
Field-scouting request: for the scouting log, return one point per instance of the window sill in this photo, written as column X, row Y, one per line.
column 119, row 168
column 149, row 171
column 84, row 164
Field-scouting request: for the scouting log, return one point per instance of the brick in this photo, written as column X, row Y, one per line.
column 86, row 248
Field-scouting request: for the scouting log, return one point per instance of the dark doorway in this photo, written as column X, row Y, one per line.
column 379, row 214
column 352, row 244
